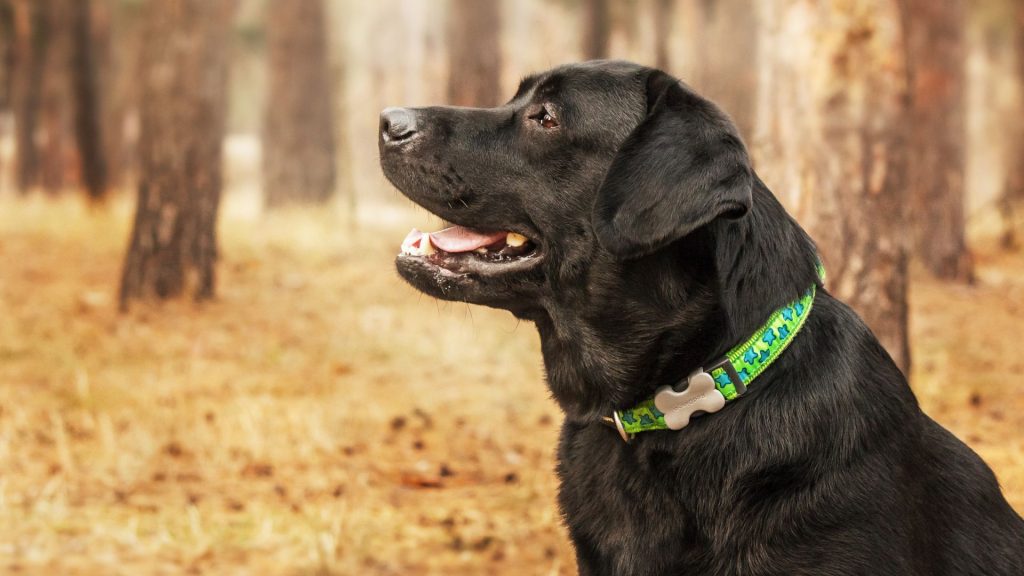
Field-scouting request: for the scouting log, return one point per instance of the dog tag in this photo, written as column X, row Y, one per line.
column 700, row 396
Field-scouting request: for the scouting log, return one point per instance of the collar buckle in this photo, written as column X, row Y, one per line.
column 700, row 397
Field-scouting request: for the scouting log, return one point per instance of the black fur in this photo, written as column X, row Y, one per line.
column 662, row 250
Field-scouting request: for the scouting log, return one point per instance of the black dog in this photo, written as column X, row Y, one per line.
column 634, row 233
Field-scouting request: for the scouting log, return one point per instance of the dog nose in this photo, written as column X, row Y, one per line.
column 397, row 124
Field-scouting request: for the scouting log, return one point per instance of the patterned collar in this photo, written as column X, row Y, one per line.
column 708, row 390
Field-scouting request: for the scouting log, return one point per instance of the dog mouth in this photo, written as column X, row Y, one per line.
column 463, row 250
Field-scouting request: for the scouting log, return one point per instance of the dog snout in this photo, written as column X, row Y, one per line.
column 397, row 124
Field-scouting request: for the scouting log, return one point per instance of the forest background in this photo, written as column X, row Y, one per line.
column 209, row 366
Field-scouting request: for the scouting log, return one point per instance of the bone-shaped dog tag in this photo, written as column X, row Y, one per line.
column 700, row 396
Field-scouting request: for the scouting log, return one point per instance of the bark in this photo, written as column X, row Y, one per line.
column 118, row 37
column 298, row 129
column 663, row 12
column 58, row 154
column 6, row 53
column 474, row 53
column 6, row 68
column 87, row 108
column 28, row 54
column 597, row 29
column 934, row 32
column 726, row 50
column 183, row 105
column 832, row 136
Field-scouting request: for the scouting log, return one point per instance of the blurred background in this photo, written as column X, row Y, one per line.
column 209, row 366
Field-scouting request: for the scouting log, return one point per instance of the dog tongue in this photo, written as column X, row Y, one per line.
column 459, row 239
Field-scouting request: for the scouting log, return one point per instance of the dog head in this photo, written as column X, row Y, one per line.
column 603, row 201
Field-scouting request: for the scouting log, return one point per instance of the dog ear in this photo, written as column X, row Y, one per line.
column 681, row 168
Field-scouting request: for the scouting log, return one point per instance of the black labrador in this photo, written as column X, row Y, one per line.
column 617, row 209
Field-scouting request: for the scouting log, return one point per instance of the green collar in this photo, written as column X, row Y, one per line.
column 726, row 380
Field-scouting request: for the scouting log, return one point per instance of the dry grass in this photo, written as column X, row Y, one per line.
column 321, row 417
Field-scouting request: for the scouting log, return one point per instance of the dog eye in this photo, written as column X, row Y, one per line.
column 545, row 119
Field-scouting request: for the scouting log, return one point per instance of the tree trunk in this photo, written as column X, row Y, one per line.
column 725, row 47
column 832, row 136
column 183, row 105
column 58, row 156
column 1011, row 202
column 6, row 68
column 934, row 32
column 597, row 29
column 6, row 53
column 27, row 88
column 298, row 128
column 663, row 13
column 474, row 53
column 119, row 38
column 87, row 112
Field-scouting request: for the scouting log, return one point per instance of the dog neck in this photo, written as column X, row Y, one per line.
column 607, row 354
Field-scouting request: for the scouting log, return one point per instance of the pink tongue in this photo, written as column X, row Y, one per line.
column 459, row 239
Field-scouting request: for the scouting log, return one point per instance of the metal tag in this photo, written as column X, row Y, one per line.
column 700, row 396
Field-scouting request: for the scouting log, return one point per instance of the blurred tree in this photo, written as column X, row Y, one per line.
column 725, row 53
column 1011, row 202
column 474, row 53
column 832, row 141
column 118, row 29
column 58, row 156
column 55, row 95
column 6, row 68
column 298, row 126
column 26, row 87
column 936, row 62
column 663, row 14
column 183, row 109
column 6, row 52
column 596, row 29
column 88, row 117
column 624, row 19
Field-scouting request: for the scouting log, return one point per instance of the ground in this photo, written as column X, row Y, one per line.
column 321, row 417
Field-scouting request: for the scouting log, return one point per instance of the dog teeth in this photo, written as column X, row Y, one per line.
column 515, row 240
column 425, row 248
column 481, row 250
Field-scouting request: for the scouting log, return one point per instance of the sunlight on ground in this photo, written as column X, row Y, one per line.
column 321, row 417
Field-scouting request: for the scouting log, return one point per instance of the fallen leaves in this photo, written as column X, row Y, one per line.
column 282, row 429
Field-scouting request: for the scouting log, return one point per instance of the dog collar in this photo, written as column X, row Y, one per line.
column 708, row 390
